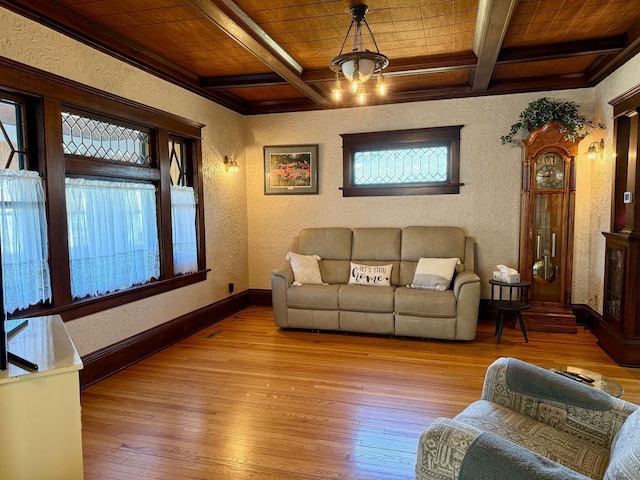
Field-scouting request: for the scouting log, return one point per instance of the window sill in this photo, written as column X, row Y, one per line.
column 81, row 308
column 397, row 190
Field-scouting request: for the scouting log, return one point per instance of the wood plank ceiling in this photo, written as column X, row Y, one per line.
column 265, row 56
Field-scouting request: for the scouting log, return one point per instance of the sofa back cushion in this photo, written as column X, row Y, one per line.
column 378, row 246
column 429, row 242
column 333, row 246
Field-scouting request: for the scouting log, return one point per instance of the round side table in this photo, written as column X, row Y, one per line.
column 516, row 302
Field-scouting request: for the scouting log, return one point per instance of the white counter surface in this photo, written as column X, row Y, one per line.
column 45, row 342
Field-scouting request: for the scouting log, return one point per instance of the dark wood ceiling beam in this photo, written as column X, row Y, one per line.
column 492, row 22
column 70, row 23
column 409, row 66
column 600, row 46
column 225, row 15
column 242, row 81
column 503, row 87
column 599, row 71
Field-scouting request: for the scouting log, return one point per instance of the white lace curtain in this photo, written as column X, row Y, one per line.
column 23, row 232
column 113, row 235
column 183, row 223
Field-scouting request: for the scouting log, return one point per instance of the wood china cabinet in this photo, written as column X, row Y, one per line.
column 547, row 214
column 618, row 330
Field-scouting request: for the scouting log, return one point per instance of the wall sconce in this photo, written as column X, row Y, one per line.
column 595, row 149
column 230, row 165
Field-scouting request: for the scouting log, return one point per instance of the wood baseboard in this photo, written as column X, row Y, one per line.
column 106, row 361
column 260, row 297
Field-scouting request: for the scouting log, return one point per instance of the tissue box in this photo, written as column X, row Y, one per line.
column 506, row 277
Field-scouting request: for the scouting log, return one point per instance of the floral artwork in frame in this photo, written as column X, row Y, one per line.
column 291, row 169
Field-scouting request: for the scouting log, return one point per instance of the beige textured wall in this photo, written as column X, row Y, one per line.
column 225, row 199
column 488, row 206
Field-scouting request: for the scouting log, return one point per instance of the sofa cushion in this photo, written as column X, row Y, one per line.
column 625, row 450
column 425, row 303
column 306, row 270
column 583, row 457
column 313, row 296
column 428, row 242
column 366, row 299
column 434, row 273
column 378, row 246
column 333, row 245
column 370, row 275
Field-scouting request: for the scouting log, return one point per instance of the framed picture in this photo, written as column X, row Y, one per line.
column 291, row 169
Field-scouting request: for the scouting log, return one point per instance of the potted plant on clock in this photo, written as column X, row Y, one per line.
column 545, row 110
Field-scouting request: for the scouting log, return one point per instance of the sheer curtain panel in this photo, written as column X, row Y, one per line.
column 183, row 228
column 113, row 235
column 23, row 232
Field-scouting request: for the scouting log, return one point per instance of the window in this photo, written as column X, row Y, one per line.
column 404, row 162
column 23, row 226
column 123, row 218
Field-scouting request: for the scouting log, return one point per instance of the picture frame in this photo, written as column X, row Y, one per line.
column 291, row 170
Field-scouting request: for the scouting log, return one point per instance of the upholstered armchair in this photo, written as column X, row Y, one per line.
column 534, row 424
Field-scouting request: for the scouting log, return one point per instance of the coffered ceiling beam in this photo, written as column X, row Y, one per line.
column 228, row 17
column 240, row 81
column 600, row 46
column 492, row 22
column 600, row 70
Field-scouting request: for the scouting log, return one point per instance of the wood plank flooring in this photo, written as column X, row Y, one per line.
column 245, row 400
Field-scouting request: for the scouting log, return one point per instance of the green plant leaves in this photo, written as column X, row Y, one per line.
column 543, row 111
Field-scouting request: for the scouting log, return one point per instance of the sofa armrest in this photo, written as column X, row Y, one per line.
column 556, row 400
column 454, row 450
column 442, row 448
column 281, row 279
column 463, row 278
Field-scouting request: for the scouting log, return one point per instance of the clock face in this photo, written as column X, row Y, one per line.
column 550, row 172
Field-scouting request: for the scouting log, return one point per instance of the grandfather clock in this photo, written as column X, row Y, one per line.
column 547, row 214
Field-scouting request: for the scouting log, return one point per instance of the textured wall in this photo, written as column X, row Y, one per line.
column 488, row 207
column 224, row 193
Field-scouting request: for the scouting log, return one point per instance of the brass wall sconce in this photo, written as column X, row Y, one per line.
column 230, row 165
column 595, row 149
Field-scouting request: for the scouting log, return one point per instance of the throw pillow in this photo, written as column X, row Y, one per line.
column 306, row 270
column 434, row 273
column 371, row 275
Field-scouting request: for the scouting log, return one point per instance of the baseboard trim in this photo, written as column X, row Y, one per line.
column 109, row 360
column 260, row 297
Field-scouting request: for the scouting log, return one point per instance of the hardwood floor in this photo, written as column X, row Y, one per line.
column 244, row 400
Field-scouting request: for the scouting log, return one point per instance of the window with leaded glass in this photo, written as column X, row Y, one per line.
column 403, row 162
column 123, row 185
column 94, row 138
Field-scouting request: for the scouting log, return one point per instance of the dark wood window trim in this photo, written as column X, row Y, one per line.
column 398, row 139
column 47, row 95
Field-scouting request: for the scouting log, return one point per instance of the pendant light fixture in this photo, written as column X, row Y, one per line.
column 359, row 65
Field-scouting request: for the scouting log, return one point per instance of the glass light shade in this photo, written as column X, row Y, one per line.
column 365, row 69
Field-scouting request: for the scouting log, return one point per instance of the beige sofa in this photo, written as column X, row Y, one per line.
column 387, row 310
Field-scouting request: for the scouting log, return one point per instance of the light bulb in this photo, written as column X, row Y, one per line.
column 337, row 90
column 381, row 86
column 361, row 94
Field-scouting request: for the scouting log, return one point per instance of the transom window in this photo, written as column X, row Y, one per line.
column 411, row 165
column 405, row 162
column 94, row 138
